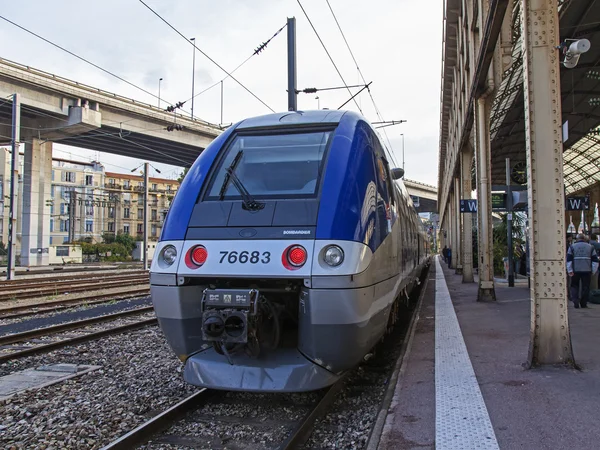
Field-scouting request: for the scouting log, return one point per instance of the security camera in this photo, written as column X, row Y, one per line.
column 574, row 51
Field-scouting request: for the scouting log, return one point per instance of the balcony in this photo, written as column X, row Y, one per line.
column 112, row 186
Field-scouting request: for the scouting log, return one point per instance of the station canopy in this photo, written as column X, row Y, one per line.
column 580, row 94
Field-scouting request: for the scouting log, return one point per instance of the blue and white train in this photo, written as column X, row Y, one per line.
column 285, row 253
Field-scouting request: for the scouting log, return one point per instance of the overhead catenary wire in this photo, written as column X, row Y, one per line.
column 377, row 111
column 328, row 54
column 81, row 58
column 205, row 55
column 259, row 49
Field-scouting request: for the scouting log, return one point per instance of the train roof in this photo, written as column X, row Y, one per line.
column 288, row 118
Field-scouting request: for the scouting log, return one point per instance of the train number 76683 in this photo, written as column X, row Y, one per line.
column 245, row 257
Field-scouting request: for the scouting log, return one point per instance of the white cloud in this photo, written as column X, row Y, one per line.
column 397, row 45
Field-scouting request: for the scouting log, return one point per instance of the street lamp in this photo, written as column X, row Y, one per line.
column 159, row 80
column 193, row 71
column 318, row 102
column 402, row 150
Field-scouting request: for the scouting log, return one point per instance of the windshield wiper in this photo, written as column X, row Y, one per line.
column 249, row 202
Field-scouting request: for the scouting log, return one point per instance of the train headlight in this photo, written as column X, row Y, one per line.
column 169, row 254
column 333, row 256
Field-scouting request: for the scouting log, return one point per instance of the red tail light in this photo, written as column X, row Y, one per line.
column 294, row 257
column 196, row 256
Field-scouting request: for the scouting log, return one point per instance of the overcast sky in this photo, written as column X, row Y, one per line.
column 397, row 44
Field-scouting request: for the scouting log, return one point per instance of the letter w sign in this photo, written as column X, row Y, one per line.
column 578, row 203
column 468, row 206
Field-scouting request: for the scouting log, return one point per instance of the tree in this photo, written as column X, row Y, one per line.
column 126, row 241
column 108, row 237
column 2, row 248
column 183, row 174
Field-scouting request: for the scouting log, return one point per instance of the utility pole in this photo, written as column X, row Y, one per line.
column 221, row 102
column 291, row 43
column 159, row 80
column 72, row 214
column 145, row 250
column 193, row 72
column 402, row 150
column 14, row 179
column 509, row 214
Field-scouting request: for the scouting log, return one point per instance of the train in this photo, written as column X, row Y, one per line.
column 287, row 253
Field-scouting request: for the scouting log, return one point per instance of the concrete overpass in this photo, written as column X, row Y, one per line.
column 72, row 113
column 49, row 109
column 425, row 196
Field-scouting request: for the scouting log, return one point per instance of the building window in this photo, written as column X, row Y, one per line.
column 111, row 213
column 89, row 210
column 52, row 174
column 52, row 209
column 52, row 192
column 64, row 226
column 125, row 213
column 140, row 228
column 154, row 187
column 140, row 214
column 89, row 180
column 154, row 215
column 69, row 177
column 51, row 225
column 111, row 226
column 126, row 184
column 111, row 181
column 153, row 230
column 62, row 250
column 89, row 226
column 126, row 228
column 168, row 187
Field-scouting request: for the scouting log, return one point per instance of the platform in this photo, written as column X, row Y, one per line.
column 480, row 395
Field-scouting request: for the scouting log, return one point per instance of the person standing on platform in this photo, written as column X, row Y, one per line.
column 449, row 253
column 445, row 253
column 596, row 279
column 582, row 262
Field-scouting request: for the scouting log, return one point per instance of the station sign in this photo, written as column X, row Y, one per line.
column 468, row 206
column 416, row 201
column 578, row 203
column 498, row 200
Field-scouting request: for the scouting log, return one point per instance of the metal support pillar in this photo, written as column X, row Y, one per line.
column 466, row 157
column 291, row 49
column 510, row 253
column 14, row 180
column 457, row 226
column 486, row 290
column 452, row 226
column 145, row 249
column 550, row 337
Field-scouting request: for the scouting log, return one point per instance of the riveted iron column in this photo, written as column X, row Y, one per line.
column 466, row 158
column 457, row 220
column 454, row 234
column 483, row 164
column 550, row 338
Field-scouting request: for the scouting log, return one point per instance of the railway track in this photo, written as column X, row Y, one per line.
column 29, row 344
column 19, row 293
column 297, row 433
column 97, row 276
column 15, row 312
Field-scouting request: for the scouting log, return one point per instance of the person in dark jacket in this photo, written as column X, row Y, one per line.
column 582, row 262
column 445, row 253
column 449, row 253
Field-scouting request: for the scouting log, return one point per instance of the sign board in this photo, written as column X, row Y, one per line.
column 498, row 200
column 415, row 201
column 578, row 203
column 468, row 206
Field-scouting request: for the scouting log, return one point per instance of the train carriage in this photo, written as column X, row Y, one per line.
column 283, row 253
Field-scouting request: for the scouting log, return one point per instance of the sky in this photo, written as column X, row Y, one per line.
column 397, row 44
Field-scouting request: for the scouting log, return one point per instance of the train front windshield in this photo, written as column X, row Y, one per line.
column 272, row 166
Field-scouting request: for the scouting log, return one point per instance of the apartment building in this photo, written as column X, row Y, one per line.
column 93, row 200
column 127, row 215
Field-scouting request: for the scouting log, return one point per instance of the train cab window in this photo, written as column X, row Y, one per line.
column 272, row 166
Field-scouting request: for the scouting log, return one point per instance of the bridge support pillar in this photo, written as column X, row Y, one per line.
column 466, row 158
column 37, row 182
column 550, row 341
column 457, row 226
column 483, row 164
column 454, row 241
